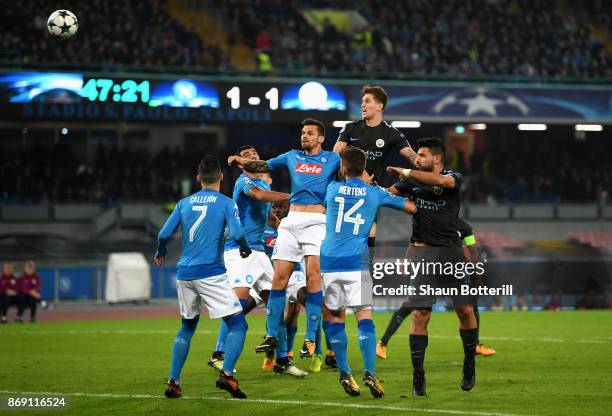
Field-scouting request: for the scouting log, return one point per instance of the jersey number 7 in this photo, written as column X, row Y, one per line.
column 356, row 220
column 196, row 224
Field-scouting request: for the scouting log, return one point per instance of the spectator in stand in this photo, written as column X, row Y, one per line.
column 29, row 285
column 8, row 291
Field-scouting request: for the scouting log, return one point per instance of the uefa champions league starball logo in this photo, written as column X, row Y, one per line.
column 480, row 101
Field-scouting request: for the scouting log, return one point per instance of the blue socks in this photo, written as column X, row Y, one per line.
column 291, row 331
column 326, row 325
column 237, row 328
column 314, row 303
column 338, row 341
column 318, row 349
column 180, row 348
column 275, row 312
column 222, row 336
column 367, row 344
column 281, row 351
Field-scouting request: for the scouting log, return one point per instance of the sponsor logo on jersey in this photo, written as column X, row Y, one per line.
column 354, row 139
column 309, row 168
column 271, row 241
column 429, row 205
column 372, row 155
column 249, row 279
column 380, row 143
column 313, row 317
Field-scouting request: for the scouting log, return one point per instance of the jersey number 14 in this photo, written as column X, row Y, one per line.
column 355, row 220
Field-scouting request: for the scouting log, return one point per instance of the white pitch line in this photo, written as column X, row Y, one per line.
column 597, row 340
column 264, row 401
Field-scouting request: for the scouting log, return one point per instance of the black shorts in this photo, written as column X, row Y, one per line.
column 440, row 274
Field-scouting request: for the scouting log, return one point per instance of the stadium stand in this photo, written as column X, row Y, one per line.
column 414, row 38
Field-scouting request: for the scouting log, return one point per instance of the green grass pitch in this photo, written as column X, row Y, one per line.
column 547, row 363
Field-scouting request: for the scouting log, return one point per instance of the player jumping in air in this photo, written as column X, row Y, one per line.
column 375, row 137
column 352, row 207
column 253, row 197
column 200, row 272
column 300, row 234
column 436, row 192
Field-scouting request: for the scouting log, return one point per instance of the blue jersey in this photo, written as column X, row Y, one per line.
column 203, row 217
column 352, row 207
column 310, row 174
column 253, row 213
column 270, row 235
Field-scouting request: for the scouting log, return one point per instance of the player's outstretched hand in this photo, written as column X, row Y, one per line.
column 394, row 169
column 245, row 253
column 231, row 160
column 159, row 261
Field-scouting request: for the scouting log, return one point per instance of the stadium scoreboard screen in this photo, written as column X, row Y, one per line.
column 77, row 96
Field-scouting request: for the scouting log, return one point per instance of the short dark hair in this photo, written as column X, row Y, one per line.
column 314, row 122
column 244, row 147
column 377, row 92
column 434, row 144
column 209, row 170
column 354, row 160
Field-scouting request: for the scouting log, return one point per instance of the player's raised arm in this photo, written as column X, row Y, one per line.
column 172, row 223
column 259, row 194
column 252, row 166
column 409, row 154
column 235, row 229
column 343, row 138
column 427, row 178
column 397, row 203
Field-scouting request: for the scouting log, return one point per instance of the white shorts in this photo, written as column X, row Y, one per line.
column 299, row 234
column 347, row 289
column 214, row 291
column 254, row 272
column 296, row 282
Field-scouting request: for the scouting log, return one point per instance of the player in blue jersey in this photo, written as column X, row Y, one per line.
column 352, row 207
column 253, row 196
column 300, row 234
column 200, row 272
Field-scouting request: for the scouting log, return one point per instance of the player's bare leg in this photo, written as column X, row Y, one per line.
column 468, row 329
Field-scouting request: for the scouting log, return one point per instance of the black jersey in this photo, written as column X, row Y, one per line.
column 377, row 142
column 464, row 228
column 436, row 220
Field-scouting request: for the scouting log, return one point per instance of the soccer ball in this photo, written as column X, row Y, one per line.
column 62, row 24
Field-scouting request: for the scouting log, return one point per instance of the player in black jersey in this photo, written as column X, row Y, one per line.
column 436, row 193
column 471, row 254
column 375, row 137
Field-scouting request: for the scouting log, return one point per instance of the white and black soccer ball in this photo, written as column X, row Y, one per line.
column 62, row 24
